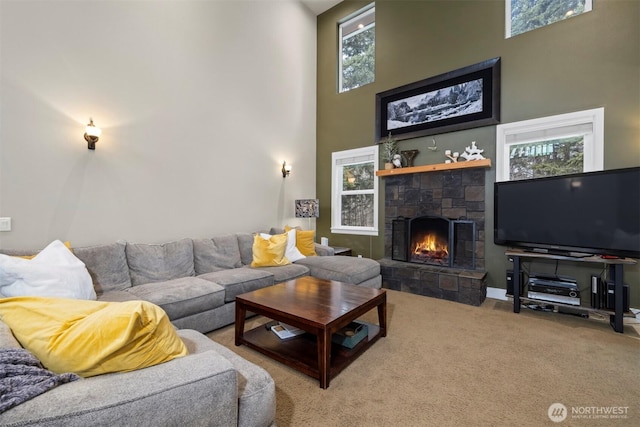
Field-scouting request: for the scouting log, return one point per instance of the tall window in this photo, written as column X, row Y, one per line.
column 357, row 49
column 354, row 191
column 549, row 146
column 526, row 15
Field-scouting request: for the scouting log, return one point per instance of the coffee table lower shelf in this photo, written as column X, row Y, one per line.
column 301, row 352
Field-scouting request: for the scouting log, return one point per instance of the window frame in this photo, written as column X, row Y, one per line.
column 350, row 19
column 359, row 156
column 588, row 7
column 593, row 149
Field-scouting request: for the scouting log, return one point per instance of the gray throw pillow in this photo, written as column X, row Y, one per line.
column 155, row 263
column 211, row 255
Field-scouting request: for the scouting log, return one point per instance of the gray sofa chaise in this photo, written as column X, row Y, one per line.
column 211, row 386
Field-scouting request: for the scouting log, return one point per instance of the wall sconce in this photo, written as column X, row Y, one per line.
column 286, row 169
column 92, row 134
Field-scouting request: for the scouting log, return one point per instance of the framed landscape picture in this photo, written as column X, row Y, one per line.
column 462, row 99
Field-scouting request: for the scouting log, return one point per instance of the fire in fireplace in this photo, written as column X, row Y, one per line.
column 434, row 240
column 429, row 240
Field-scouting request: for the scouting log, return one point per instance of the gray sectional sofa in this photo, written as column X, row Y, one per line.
column 195, row 281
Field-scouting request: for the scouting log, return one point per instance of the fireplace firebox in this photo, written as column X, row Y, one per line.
column 434, row 240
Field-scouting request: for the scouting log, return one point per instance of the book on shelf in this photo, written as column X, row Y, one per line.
column 351, row 335
column 284, row 331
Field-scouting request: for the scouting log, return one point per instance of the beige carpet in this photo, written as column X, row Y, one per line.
column 449, row 364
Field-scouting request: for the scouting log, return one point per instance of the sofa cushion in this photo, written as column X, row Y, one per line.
column 245, row 244
column 181, row 297
column 269, row 251
column 156, row 263
column 92, row 337
column 216, row 253
column 285, row 272
column 291, row 250
column 55, row 271
column 117, row 296
column 304, row 241
column 342, row 268
column 239, row 280
column 107, row 265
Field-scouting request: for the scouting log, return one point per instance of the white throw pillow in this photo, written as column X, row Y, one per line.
column 54, row 272
column 291, row 251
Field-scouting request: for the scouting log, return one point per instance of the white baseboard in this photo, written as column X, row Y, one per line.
column 497, row 293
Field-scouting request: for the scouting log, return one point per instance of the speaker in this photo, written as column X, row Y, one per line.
column 595, row 291
column 611, row 296
column 510, row 282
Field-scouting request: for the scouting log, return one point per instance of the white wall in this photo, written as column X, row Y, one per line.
column 199, row 103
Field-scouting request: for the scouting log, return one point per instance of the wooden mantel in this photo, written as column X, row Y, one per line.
column 484, row 163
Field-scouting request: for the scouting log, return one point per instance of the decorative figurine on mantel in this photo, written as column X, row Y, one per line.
column 397, row 160
column 408, row 156
column 472, row 153
column 453, row 157
column 390, row 147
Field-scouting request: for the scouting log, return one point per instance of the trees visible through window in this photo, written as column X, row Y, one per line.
column 357, row 49
column 549, row 146
column 526, row 15
column 355, row 191
column 546, row 158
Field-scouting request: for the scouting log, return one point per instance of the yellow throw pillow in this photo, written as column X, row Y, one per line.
column 269, row 252
column 305, row 241
column 92, row 337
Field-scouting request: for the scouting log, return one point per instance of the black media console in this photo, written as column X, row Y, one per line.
column 615, row 266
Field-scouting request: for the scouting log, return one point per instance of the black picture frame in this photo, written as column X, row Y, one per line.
column 475, row 91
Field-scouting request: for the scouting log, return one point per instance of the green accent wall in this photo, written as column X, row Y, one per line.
column 589, row 61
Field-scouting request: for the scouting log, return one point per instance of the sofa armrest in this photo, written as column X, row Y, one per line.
column 323, row 250
column 7, row 340
column 198, row 389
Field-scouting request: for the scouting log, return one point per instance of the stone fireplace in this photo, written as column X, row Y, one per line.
column 434, row 231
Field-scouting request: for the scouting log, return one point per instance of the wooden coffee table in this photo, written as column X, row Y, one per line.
column 319, row 307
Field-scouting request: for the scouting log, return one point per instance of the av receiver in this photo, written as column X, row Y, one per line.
column 559, row 289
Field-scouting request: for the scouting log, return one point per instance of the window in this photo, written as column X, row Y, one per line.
column 354, row 192
column 526, row 15
column 549, row 146
column 356, row 60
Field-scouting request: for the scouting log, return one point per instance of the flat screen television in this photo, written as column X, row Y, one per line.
column 592, row 213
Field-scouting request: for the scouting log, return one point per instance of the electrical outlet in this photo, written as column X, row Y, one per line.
column 5, row 224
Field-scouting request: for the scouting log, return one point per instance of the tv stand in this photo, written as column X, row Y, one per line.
column 615, row 266
column 561, row 253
